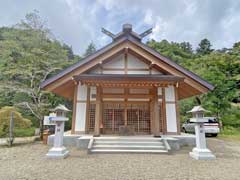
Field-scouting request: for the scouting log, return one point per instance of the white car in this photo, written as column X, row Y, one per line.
column 211, row 127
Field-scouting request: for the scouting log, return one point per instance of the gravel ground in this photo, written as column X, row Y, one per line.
column 29, row 162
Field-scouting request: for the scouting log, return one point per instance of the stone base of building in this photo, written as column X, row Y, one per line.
column 202, row 154
column 56, row 153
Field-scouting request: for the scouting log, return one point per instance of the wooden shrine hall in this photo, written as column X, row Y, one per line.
column 126, row 87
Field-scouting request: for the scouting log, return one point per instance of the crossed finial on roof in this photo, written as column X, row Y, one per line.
column 127, row 29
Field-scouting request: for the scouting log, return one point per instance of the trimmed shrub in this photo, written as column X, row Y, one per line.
column 19, row 121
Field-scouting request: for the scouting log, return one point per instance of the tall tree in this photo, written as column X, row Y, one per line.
column 27, row 58
column 90, row 49
column 204, row 47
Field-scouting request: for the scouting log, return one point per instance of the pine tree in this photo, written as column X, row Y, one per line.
column 204, row 47
column 90, row 49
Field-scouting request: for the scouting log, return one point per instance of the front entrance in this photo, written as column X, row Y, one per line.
column 136, row 115
column 117, row 114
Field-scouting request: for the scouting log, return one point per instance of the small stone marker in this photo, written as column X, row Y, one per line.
column 200, row 152
column 58, row 150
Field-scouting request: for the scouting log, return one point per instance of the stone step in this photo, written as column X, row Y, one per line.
column 128, row 151
column 145, row 143
column 134, row 139
column 129, row 146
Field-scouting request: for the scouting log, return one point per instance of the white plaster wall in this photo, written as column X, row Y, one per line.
column 113, row 90
column 155, row 71
column 159, row 91
column 95, row 71
column 113, row 99
column 171, row 118
column 80, row 117
column 139, row 91
column 137, row 99
column 81, row 108
column 92, row 92
column 169, row 93
column 134, row 62
column 82, row 93
column 113, row 72
column 138, row 72
column 117, row 62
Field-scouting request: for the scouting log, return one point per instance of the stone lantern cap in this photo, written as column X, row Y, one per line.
column 196, row 109
column 61, row 108
column 198, row 114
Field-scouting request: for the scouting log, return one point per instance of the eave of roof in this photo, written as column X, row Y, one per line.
column 138, row 43
column 128, row 77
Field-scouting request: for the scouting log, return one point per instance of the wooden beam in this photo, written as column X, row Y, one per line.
column 152, row 112
column 156, row 113
column 87, row 110
column 177, row 110
column 166, row 67
column 164, row 119
column 126, row 61
column 142, row 96
column 126, row 92
column 74, row 108
column 98, row 115
column 108, row 55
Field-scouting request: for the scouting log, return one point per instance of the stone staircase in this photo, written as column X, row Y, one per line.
column 128, row 145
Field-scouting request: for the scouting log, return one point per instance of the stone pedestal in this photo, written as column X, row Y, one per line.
column 58, row 150
column 200, row 152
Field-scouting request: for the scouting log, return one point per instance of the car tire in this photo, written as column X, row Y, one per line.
column 214, row 135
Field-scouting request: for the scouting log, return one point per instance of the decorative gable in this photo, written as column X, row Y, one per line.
column 122, row 64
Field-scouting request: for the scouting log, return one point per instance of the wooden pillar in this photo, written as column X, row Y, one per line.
column 74, row 107
column 156, row 113
column 126, row 92
column 177, row 110
column 164, row 119
column 98, row 113
column 152, row 112
column 87, row 110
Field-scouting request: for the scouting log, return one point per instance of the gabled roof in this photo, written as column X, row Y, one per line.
column 120, row 38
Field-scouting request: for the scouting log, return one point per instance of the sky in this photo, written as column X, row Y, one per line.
column 79, row 22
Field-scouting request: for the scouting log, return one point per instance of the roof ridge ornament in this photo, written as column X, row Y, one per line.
column 127, row 30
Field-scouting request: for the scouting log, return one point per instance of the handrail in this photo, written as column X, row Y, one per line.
column 90, row 144
column 166, row 145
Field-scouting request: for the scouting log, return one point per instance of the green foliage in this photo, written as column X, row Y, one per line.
column 90, row 49
column 232, row 117
column 29, row 55
column 19, row 121
column 204, row 47
column 230, row 133
column 221, row 68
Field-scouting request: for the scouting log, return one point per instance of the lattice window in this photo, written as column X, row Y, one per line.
column 92, row 109
column 113, row 117
column 160, row 117
column 138, row 115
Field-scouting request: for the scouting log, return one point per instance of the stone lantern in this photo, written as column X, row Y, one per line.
column 58, row 118
column 200, row 152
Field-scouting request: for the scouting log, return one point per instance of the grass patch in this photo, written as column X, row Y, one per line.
column 19, row 132
column 24, row 132
column 230, row 133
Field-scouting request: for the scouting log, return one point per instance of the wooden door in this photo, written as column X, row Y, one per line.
column 138, row 115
